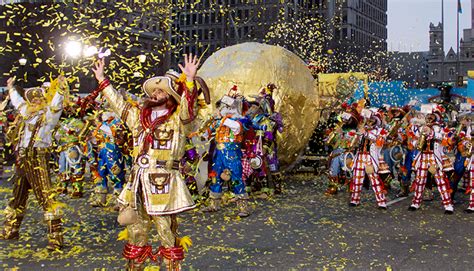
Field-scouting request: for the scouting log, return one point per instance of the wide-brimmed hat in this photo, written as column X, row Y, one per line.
column 402, row 110
column 35, row 92
column 377, row 118
column 438, row 112
column 350, row 112
column 166, row 83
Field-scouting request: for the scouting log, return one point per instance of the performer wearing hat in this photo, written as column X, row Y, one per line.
column 429, row 159
column 408, row 132
column 254, row 169
column 395, row 121
column 111, row 163
column 367, row 159
column 463, row 143
column 273, row 124
column 470, row 169
column 72, row 160
column 156, row 191
column 227, row 130
column 32, row 159
column 340, row 140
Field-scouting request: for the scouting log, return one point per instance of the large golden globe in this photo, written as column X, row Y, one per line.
column 252, row 66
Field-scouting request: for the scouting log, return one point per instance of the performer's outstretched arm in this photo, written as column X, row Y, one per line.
column 189, row 97
column 55, row 107
column 128, row 114
column 17, row 101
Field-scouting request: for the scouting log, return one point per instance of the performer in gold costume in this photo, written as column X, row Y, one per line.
column 156, row 191
column 32, row 159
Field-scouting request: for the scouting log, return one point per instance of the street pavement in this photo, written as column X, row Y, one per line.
column 299, row 230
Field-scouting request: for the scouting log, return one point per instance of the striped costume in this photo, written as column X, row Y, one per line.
column 367, row 161
column 429, row 159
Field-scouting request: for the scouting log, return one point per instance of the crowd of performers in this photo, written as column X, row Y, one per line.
column 419, row 149
column 152, row 141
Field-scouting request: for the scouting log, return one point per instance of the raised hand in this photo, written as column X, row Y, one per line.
column 191, row 64
column 62, row 82
column 10, row 82
column 99, row 70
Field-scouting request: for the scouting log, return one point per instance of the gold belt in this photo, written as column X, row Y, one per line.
column 38, row 151
column 144, row 162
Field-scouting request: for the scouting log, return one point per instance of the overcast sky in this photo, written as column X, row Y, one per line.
column 409, row 23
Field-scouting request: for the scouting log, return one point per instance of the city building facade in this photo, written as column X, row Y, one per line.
column 449, row 67
column 410, row 67
column 206, row 26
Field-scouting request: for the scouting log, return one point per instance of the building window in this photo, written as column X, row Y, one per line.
column 451, row 71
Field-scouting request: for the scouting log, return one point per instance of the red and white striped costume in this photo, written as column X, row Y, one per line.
column 431, row 156
column 368, row 155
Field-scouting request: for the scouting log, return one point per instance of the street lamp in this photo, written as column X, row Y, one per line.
column 22, row 61
column 73, row 48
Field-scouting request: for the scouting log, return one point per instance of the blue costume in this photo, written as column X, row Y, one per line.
column 71, row 156
column 228, row 134
column 111, row 163
column 227, row 157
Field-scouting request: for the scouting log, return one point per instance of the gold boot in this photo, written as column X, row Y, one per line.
column 243, row 206
column 62, row 188
column 172, row 265
column 172, row 257
column 55, row 235
column 214, row 205
column 136, row 256
column 133, row 265
column 100, row 197
column 77, row 186
column 332, row 186
column 11, row 227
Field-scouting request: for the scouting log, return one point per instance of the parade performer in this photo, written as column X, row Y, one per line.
column 430, row 159
column 470, row 169
column 367, row 159
column 395, row 121
column 386, row 164
column 463, row 141
column 72, row 160
column 339, row 139
column 111, row 164
column 273, row 124
column 410, row 128
column 32, row 159
column 156, row 191
column 254, row 163
column 227, row 130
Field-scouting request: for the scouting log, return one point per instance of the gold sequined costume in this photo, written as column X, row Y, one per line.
column 156, row 191
column 32, row 168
